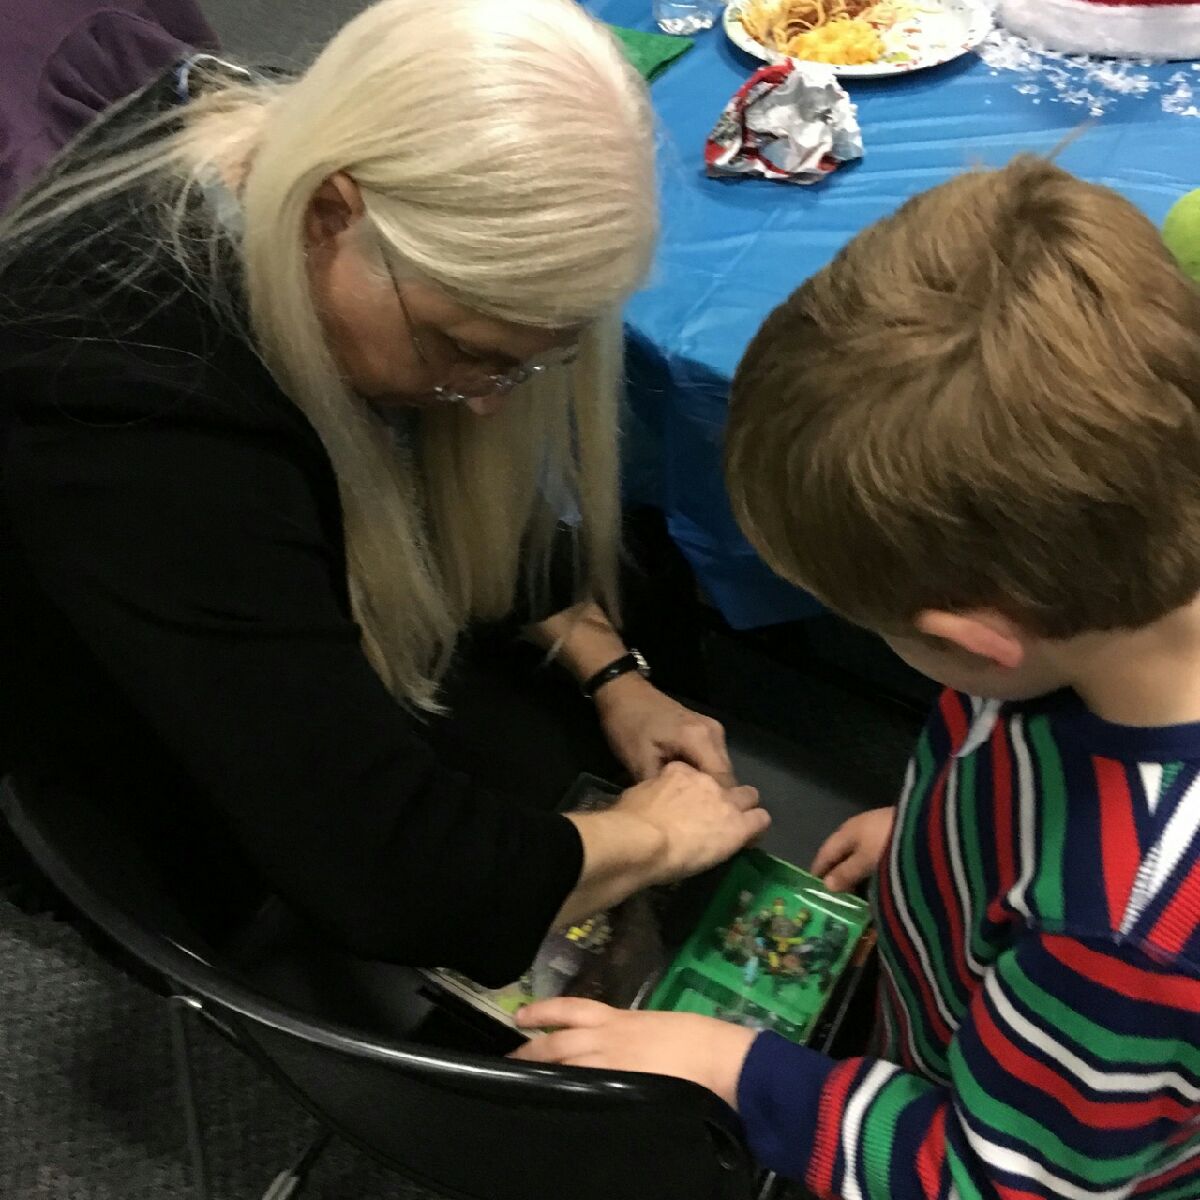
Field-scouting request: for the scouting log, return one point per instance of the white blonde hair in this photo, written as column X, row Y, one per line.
column 504, row 151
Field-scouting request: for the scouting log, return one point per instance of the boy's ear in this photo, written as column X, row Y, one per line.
column 982, row 632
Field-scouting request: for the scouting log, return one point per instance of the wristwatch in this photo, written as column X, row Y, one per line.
column 635, row 660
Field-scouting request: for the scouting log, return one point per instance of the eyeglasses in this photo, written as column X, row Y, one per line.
column 489, row 385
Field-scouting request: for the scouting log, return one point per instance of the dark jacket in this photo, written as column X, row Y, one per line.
column 177, row 632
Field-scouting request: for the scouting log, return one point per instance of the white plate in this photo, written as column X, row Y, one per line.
column 938, row 32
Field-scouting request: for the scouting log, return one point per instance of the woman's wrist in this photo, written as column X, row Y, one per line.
column 622, row 854
column 583, row 640
column 625, row 689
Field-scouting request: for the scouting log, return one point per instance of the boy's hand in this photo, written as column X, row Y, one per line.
column 590, row 1034
column 853, row 852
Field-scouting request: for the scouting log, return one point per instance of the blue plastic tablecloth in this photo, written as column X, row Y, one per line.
column 732, row 251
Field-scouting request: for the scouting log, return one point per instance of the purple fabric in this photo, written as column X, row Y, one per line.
column 66, row 61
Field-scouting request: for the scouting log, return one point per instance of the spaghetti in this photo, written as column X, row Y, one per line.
column 842, row 32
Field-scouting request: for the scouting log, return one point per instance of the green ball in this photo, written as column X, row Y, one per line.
column 1181, row 232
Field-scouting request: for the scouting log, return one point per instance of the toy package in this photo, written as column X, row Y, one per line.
column 757, row 941
column 768, row 950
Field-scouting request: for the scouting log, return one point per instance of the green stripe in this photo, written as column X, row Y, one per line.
column 1042, row 1144
column 1050, row 799
column 1098, row 1040
column 964, row 1185
column 1170, row 773
column 932, row 934
column 879, row 1129
column 933, row 1057
column 970, row 843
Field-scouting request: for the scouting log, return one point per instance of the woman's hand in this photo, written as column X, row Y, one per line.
column 701, row 822
column 853, row 852
column 662, row 830
column 588, row 1034
column 647, row 729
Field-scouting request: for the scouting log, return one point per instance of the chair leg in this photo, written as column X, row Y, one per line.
column 771, row 1187
column 287, row 1183
column 185, row 1079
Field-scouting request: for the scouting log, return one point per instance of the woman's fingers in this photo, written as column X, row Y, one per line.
column 702, row 743
column 744, row 797
column 645, row 763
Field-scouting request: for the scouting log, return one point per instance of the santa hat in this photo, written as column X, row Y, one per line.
column 1122, row 28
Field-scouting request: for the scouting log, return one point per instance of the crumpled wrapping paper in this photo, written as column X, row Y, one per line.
column 789, row 122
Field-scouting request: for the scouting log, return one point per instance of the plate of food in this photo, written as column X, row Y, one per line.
column 859, row 39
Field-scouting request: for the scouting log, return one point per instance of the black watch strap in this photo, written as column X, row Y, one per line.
column 635, row 660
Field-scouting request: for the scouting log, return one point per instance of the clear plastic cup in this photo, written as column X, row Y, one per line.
column 686, row 16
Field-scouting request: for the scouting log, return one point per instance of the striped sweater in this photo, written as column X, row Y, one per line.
column 1039, row 919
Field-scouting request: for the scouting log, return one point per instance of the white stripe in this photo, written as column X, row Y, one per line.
column 983, row 722
column 1165, row 855
column 911, row 929
column 852, row 1123
column 910, row 1019
column 906, row 791
column 1151, row 774
column 1133, row 30
column 1178, row 835
column 959, row 872
column 1027, row 820
column 1015, row 1163
column 1142, row 1082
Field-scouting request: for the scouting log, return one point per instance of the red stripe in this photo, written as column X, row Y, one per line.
column 1118, row 836
column 1176, row 926
column 899, row 934
column 955, row 941
column 829, row 1126
column 931, row 1154
column 1002, row 803
column 1174, row 991
column 955, row 717
column 1007, row 1193
column 1098, row 1114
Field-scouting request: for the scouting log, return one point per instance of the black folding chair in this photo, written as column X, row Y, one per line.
column 462, row 1123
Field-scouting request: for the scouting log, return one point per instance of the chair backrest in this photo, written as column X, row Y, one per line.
column 463, row 1124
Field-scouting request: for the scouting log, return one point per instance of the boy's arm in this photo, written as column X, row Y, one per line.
column 1075, row 1074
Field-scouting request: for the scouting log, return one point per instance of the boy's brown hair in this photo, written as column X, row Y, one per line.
column 990, row 399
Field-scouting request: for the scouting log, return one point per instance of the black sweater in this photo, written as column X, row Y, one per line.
column 177, row 630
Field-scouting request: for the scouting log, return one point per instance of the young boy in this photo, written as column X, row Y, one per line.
column 978, row 433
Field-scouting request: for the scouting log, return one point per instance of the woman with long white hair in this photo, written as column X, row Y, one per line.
column 302, row 380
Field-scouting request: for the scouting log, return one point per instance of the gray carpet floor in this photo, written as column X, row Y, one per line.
column 88, row 1107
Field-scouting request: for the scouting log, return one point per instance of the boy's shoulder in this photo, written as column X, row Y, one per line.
column 962, row 725
column 1100, row 822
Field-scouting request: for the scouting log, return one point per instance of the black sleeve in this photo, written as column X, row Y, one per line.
column 188, row 554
